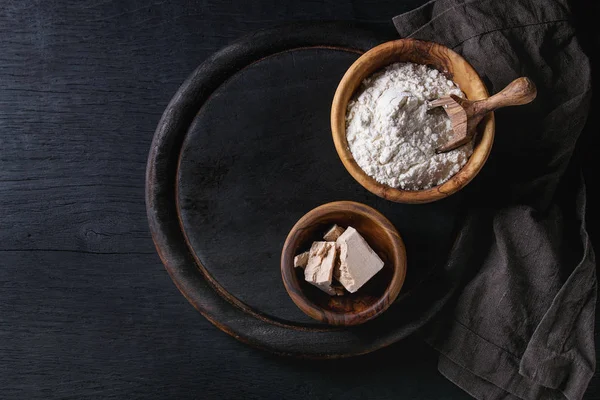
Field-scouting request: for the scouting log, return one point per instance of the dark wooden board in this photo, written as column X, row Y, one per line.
column 244, row 149
column 75, row 329
column 87, row 310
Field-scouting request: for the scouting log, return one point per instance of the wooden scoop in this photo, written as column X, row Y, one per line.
column 465, row 114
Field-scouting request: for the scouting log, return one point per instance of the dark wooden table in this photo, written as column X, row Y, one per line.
column 86, row 308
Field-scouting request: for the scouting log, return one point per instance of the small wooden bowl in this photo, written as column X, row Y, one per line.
column 454, row 67
column 371, row 299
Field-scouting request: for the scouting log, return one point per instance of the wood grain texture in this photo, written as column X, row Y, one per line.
column 375, row 296
column 465, row 115
column 447, row 62
column 87, row 310
column 218, row 193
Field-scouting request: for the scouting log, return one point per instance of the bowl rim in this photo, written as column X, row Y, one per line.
column 481, row 151
column 386, row 299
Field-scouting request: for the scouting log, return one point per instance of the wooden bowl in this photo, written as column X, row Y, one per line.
column 454, row 67
column 371, row 299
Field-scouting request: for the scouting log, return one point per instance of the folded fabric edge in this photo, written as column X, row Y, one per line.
column 435, row 18
column 578, row 379
column 474, row 385
column 414, row 20
column 545, row 359
column 493, row 364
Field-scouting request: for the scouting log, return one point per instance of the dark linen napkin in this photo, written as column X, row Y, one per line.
column 523, row 324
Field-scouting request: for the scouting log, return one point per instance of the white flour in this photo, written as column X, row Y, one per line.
column 391, row 134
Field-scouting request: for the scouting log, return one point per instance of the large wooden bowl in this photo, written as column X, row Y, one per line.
column 454, row 67
column 371, row 299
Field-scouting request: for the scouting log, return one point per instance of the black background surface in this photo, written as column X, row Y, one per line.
column 86, row 308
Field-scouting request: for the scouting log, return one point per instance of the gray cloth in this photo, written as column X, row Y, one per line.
column 523, row 324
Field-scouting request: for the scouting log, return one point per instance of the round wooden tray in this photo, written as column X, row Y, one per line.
column 242, row 151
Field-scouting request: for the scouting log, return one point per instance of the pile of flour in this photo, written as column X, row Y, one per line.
column 393, row 136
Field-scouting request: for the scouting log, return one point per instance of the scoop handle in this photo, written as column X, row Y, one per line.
column 520, row 91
